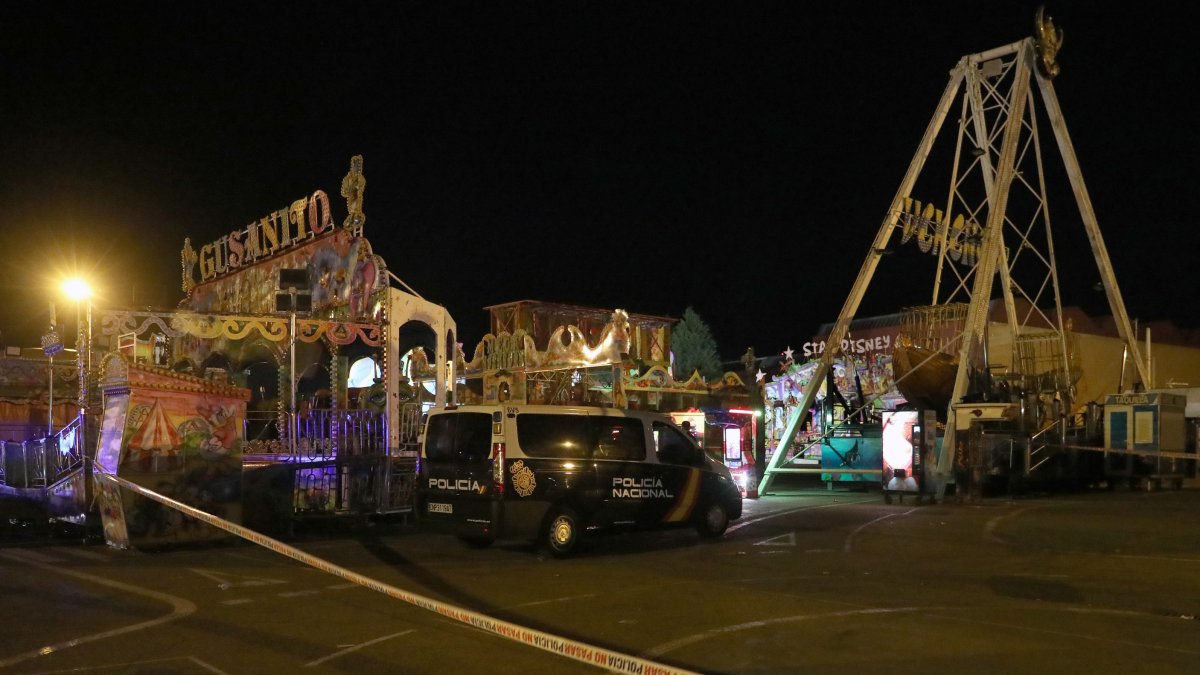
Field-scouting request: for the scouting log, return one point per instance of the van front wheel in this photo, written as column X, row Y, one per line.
column 713, row 521
column 562, row 534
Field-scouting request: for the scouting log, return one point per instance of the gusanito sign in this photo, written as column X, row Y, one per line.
column 304, row 219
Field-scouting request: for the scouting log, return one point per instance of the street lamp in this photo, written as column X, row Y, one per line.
column 80, row 291
column 77, row 289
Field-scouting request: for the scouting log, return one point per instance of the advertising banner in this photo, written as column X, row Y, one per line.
column 899, row 451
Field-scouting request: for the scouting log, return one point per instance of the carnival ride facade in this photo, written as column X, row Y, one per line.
column 43, row 437
column 840, row 439
column 558, row 354
column 551, row 353
column 989, row 231
column 282, row 381
column 291, row 380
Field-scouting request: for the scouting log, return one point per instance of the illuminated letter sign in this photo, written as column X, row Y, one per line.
column 306, row 218
column 208, row 265
column 933, row 229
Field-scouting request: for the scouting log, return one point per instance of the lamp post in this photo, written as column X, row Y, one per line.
column 78, row 290
column 295, row 425
column 51, row 345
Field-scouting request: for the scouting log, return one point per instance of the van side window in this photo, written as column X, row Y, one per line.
column 675, row 448
column 459, row 437
column 620, row 438
column 559, row 436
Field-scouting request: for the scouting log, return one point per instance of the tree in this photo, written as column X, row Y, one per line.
column 694, row 348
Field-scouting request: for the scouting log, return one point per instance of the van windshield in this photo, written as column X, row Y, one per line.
column 459, row 437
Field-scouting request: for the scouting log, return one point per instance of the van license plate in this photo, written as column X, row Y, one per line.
column 440, row 508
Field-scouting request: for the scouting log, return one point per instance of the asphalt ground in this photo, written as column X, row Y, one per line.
column 808, row 581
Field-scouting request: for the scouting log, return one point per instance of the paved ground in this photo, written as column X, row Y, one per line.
column 809, row 581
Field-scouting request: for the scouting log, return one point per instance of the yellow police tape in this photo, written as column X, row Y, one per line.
column 596, row 656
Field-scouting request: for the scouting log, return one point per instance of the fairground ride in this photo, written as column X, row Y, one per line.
column 989, row 231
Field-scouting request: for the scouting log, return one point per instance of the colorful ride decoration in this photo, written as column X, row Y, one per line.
column 608, row 369
column 841, row 445
column 342, row 274
column 656, row 386
column 277, row 314
column 174, row 433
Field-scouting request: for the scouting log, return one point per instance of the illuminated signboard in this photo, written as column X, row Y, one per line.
column 898, row 450
column 933, row 229
column 306, row 218
column 733, row 447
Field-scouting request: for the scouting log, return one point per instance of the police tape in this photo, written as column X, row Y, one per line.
column 572, row 649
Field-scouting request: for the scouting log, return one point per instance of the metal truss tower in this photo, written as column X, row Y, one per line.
column 993, row 226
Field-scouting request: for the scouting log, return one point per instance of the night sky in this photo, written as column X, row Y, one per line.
column 734, row 157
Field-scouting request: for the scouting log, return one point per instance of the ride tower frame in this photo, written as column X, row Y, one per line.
column 981, row 233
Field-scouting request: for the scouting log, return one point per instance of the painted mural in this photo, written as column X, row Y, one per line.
column 783, row 392
column 874, row 373
column 176, row 434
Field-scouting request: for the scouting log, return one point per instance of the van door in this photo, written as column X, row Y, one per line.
column 680, row 472
column 456, row 474
column 621, row 469
column 551, row 467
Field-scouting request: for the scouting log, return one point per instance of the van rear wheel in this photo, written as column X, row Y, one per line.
column 562, row 532
column 713, row 521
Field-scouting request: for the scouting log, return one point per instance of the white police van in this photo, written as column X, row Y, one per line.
column 552, row 473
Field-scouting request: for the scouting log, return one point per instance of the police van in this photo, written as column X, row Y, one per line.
column 554, row 473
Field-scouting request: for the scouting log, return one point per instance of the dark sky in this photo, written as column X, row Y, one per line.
column 735, row 157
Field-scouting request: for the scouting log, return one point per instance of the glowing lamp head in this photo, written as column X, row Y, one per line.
column 77, row 289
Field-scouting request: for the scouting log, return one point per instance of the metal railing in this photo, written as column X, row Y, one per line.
column 339, row 459
column 315, row 435
column 1039, row 448
column 355, row 485
column 43, row 461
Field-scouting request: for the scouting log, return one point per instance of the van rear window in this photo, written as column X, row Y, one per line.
column 562, row 436
column 459, row 437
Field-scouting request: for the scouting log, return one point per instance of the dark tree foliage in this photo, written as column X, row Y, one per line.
column 694, row 347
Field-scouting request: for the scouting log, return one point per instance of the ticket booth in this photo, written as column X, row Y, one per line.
column 1144, row 425
column 1149, row 422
